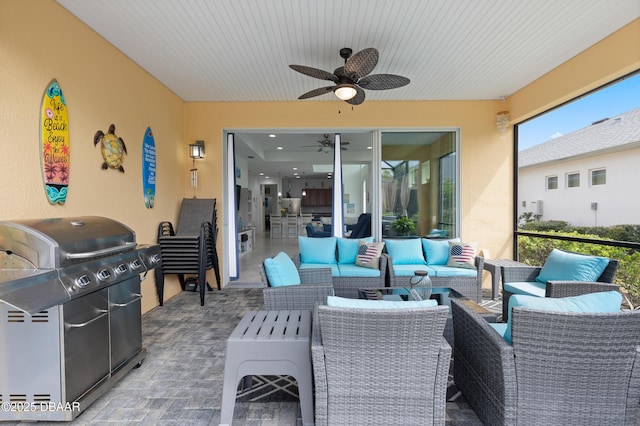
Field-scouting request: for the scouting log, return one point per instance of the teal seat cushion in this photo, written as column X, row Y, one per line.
column 407, row 270
column 343, row 302
column 529, row 288
column 317, row 250
column 348, row 249
column 601, row 302
column 500, row 327
column 281, row 271
column 357, row 271
column 447, row 271
column 563, row 266
column 335, row 272
column 405, row 252
column 437, row 251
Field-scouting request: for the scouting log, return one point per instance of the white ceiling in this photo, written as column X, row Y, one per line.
column 239, row 50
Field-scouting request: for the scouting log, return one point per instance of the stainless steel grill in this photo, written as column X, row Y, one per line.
column 70, row 324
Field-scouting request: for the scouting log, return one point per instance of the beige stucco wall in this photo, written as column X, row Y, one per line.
column 39, row 41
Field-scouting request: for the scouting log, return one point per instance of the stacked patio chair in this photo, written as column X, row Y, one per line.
column 191, row 248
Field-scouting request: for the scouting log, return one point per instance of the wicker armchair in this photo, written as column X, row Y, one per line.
column 512, row 274
column 470, row 287
column 316, row 286
column 563, row 368
column 382, row 366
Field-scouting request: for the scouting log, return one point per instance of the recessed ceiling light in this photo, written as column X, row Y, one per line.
column 295, row 174
column 368, row 147
column 297, row 177
column 280, row 147
column 272, row 135
column 261, row 174
column 266, row 177
column 295, row 168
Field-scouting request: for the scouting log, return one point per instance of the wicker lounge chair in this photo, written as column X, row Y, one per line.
column 314, row 288
column 519, row 274
column 380, row 366
column 563, row 368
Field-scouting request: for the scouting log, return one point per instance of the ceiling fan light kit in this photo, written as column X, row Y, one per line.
column 351, row 78
column 345, row 92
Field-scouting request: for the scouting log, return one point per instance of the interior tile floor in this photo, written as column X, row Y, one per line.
column 180, row 381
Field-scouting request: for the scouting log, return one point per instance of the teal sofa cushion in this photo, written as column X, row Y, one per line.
column 407, row 270
column 563, row 266
column 437, row 251
column 529, row 288
column 317, row 250
column 447, row 271
column 600, row 302
column 357, row 271
column 281, row 271
column 348, row 249
column 335, row 272
column 500, row 327
column 343, row 302
column 405, row 252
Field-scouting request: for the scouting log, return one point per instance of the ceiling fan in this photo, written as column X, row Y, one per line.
column 351, row 78
column 326, row 144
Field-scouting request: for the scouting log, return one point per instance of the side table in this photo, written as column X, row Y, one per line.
column 494, row 267
column 269, row 343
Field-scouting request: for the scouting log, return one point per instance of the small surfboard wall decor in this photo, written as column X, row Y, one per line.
column 112, row 147
column 54, row 143
column 149, row 168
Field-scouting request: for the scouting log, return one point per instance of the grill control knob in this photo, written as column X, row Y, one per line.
column 103, row 274
column 120, row 269
column 136, row 264
column 83, row 281
column 155, row 258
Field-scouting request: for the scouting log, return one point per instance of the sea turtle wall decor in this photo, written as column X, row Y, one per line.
column 112, row 147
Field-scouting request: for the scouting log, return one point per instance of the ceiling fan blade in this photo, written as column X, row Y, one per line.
column 361, row 63
column 383, row 82
column 358, row 98
column 314, row 72
column 316, row 92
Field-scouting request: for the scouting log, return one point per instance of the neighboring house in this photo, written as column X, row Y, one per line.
column 590, row 177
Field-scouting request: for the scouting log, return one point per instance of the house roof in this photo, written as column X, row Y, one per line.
column 613, row 133
column 240, row 50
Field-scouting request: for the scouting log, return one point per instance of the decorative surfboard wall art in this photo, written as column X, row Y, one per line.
column 54, row 143
column 149, row 168
column 112, row 147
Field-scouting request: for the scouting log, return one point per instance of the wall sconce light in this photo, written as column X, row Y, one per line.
column 196, row 150
column 304, row 193
column 502, row 121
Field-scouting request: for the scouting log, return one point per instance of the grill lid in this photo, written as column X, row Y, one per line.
column 60, row 242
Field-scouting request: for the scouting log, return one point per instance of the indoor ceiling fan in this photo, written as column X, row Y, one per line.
column 326, row 144
column 351, row 78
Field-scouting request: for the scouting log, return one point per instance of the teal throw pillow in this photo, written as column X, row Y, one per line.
column 281, row 271
column 343, row 302
column 563, row 266
column 405, row 252
column 317, row 250
column 348, row 249
column 600, row 302
column 437, row 251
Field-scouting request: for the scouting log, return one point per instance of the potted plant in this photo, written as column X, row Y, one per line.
column 403, row 226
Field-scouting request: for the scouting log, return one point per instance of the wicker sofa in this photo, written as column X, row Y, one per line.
column 432, row 256
column 399, row 375
column 338, row 254
column 572, row 267
column 561, row 367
